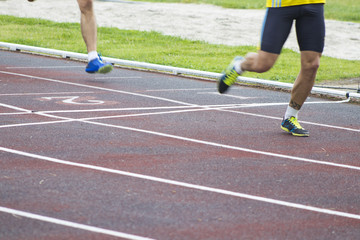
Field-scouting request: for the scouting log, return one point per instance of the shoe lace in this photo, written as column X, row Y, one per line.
column 293, row 121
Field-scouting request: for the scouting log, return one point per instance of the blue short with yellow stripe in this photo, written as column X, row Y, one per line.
column 309, row 22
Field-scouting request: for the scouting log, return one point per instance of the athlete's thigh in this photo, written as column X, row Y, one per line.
column 310, row 28
column 276, row 28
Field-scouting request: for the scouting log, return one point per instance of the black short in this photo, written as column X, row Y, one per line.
column 310, row 27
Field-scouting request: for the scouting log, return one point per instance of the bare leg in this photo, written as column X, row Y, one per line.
column 262, row 61
column 254, row 62
column 310, row 62
column 89, row 33
column 88, row 24
column 259, row 62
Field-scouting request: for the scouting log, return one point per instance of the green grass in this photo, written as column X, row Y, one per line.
column 243, row 4
column 156, row 48
column 344, row 10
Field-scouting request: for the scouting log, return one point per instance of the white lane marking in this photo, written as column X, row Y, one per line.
column 71, row 224
column 17, row 113
column 44, row 67
column 139, row 108
column 134, row 77
column 45, row 113
column 37, row 94
column 98, row 88
column 194, row 109
column 186, row 185
column 36, row 123
column 176, row 89
column 228, row 95
column 228, row 146
column 14, row 113
column 65, row 119
column 305, row 122
column 15, row 108
column 205, row 108
column 141, row 114
column 117, row 109
column 179, row 102
column 224, row 108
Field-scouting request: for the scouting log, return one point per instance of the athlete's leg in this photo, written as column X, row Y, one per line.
column 259, row 62
column 310, row 29
column 88, row 24
column 310, row 62
column 276, row 28
column 89, row 33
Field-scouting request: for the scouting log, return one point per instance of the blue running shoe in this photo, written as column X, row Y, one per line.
column 291, row 125
column 98, row 66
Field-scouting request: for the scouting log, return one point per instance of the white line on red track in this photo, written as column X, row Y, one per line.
column 36, row 94
column 44, row 67
column 177, row 90
column 15, row 108
column 127, row 77
column 195, row 108
column 137, row 109
column 172, row 101
column 229, row 95
column 182, row 184
column 186, row 185
column 98, row 88
column 71, row 224
column 214, row 144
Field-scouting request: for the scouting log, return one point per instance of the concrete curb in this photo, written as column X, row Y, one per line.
column 176, row 70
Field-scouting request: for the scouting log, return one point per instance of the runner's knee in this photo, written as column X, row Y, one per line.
column 258, row 63
column 263, row 67
column 310, row 65
column 85, row 5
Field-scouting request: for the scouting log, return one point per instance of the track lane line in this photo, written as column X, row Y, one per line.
column 95, row 87
column 45, row 67
column 305, row 122
column 208, row 143
column 186, row 185
column 36, row 94
column 71, row 224
column 177, row 102
column 214, row 144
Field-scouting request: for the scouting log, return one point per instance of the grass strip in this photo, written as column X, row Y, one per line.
column 342, row 10
column 153, row 47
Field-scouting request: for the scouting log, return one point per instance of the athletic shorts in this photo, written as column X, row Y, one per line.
column 310, row 27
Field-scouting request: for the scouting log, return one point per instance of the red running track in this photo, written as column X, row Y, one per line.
column 138, row 155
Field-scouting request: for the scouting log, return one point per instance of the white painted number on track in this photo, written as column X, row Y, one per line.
column 76, row 100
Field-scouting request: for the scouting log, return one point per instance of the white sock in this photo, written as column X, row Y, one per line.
column 291, row 112
column 92, row 55
column 237, row 66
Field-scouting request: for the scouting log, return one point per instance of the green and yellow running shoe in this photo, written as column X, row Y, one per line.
column 291, row 125
column 229, row 76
